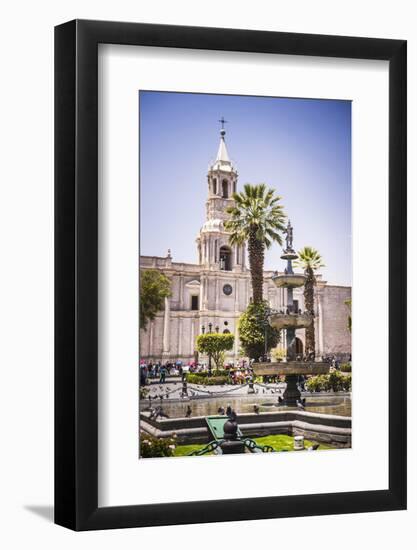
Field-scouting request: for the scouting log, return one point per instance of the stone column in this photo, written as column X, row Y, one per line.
column 205, row 305
column 200, row 302
column 180, row 320
column 237, row 295
column 217, row 294
column 166, row 336
column 181, row 292
column 192, row 338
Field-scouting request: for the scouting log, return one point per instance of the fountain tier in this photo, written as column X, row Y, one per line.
column 290, row 320
column 289, row 280
column 291, row 368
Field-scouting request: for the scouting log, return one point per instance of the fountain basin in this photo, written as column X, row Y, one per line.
column 291, row 367
column 332, row 429
column 289, row 280
column 292, row 320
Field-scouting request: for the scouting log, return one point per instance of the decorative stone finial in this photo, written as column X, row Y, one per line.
column 289, row 237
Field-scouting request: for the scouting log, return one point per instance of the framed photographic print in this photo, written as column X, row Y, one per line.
column 230, row 275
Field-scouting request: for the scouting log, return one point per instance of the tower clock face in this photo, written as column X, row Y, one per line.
column 227, row 289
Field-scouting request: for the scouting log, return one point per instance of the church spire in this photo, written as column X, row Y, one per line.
column 222, row 154
column 222, row 161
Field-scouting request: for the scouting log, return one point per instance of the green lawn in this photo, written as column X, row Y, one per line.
column 286, row 442
column 278, row 442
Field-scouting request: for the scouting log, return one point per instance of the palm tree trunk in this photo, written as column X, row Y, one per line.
column 309, row 305
column 256, row 265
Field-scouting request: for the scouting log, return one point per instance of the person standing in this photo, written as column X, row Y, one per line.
column 162, row 374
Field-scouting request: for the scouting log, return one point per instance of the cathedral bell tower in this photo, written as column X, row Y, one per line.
column 214, row 250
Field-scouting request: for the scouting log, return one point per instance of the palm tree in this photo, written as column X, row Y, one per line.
column 310, row 260
column 256, row 218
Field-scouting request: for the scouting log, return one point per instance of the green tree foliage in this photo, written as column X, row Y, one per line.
column 215, row 344
column 334, row 381
column 310, row 260
column 154, row 288
column 258, row 219
column 349, row 323
column 251, row 328
column 151, row 447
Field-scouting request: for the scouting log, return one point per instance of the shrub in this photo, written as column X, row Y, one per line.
column 215, row 344
column 152, row 447
column 333, row 381
column 278, row 354
column 251, row 328
column 203, row 374
column 346, row 367
column 143, row 392
column 207, row 380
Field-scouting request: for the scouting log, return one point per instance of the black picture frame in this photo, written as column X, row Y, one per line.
column 76, row 272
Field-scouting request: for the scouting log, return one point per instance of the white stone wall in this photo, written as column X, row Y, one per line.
column 332, row 335
column 335, row 313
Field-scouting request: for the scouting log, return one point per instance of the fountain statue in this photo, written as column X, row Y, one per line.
column 291, row 319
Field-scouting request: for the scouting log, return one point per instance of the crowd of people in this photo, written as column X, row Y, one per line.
column 239, row 373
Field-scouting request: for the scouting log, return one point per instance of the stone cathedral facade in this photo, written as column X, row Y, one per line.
column 217, row 289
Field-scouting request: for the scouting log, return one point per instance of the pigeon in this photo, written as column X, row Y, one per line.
column 256, row 409
column 161, row 413
column 157, row 412
column 188, row 413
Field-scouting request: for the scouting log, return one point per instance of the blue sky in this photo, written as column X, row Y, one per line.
column 299, row 147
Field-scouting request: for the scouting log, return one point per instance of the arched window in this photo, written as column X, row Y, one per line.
column 214, row 186
column 225, row 258
column 298, row 346
column 226, row 331
column 225, row 189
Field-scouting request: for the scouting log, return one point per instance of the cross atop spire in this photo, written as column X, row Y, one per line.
column 223, row 122
column 222, row 161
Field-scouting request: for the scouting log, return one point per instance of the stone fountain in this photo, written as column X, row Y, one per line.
column 290, row 320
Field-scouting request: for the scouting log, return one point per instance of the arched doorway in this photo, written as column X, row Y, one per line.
column 225, row 258
column 299, row 346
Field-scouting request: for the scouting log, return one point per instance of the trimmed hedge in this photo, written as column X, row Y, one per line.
column 346, row 367
column 326, row 382
column 207, row 380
